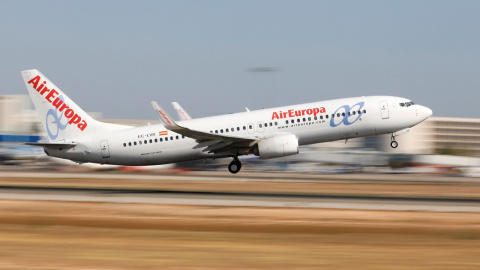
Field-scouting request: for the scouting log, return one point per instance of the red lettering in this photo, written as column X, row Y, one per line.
column 295, row 113
column 82, row 125
column 45, row 89
column 64, row 106
column 164, row 116
column 35, row 81
column 51, row 95
column 69, row 113
column 57, row 102
column 75, row 119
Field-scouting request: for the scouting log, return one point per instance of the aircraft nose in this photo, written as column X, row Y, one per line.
column 425, row 112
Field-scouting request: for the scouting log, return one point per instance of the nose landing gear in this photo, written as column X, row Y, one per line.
column 235, row 165
column 393, row 144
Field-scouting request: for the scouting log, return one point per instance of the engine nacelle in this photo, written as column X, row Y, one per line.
column 279, row 145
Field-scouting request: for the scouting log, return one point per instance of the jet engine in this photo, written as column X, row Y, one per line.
column 279, row 145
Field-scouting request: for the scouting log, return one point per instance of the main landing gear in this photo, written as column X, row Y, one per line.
column 235, row 165
column 393, row 144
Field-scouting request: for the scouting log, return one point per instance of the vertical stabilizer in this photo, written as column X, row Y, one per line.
column 60, row 116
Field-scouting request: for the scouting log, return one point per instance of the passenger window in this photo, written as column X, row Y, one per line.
column 298, row 120
column 259, row 125
column 343, row 114
column 151, row 140
column 124, row 145
column 309, row 119
column 244, row 128
column 276, row 123
column 129, row 144
column 233, row 129
column 359, row 112
column 271, row 124
column 183, row 137
column 221, row 130
column 145, row 141
column 286, row 121
column 161, row 140
column 304, row 120
column 364, row 111
column 134, row 143
column 171, row 138
column 226, row 130
column 250, row 127
column 238, row 128
column 216, row 131
column 338, row 114
column 166, row 139
column 176, row 137
column 156, row 140
column 353, row 112
column 140, row 142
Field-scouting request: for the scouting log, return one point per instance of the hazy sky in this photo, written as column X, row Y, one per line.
column 117, row 56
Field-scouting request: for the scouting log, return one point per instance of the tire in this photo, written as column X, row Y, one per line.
column 394, row 144
column 234, row 166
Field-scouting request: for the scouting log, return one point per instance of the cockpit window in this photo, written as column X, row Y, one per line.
column 407, row 104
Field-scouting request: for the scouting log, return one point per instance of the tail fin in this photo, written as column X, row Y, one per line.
column 60, row 116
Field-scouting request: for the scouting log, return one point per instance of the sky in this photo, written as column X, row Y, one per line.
column 217, row 57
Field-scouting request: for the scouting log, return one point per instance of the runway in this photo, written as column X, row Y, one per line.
column 240, row 199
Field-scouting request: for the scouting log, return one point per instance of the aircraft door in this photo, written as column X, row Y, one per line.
column 261, row 126
column 104, row 148
column 384, row 110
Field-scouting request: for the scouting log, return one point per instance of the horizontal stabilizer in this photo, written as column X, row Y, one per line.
column 52, row 145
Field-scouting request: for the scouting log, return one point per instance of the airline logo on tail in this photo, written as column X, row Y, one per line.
column 53, row 97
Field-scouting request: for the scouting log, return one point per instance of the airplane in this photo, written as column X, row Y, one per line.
column 267, row 133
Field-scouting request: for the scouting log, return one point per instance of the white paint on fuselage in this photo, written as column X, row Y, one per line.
column 373, row 122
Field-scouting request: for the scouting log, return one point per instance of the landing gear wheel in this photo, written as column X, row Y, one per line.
column 394, row 144
column 234, row 166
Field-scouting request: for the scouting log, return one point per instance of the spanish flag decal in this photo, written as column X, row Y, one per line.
column 161, row 133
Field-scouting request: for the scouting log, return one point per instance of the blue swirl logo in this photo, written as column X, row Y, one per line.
column 350, row 114
column 53, row 121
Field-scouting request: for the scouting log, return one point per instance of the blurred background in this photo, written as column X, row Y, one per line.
column 336, row 205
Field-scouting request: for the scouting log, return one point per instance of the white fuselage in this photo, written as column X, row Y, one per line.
column 311, row 123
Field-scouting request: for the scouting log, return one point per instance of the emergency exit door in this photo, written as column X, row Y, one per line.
column 384, row 110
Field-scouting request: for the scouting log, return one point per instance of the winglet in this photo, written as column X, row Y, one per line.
column 182, row 114
column 166, row 119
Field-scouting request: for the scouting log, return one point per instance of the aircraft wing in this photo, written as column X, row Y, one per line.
column 182, row 114
column 213, row 143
